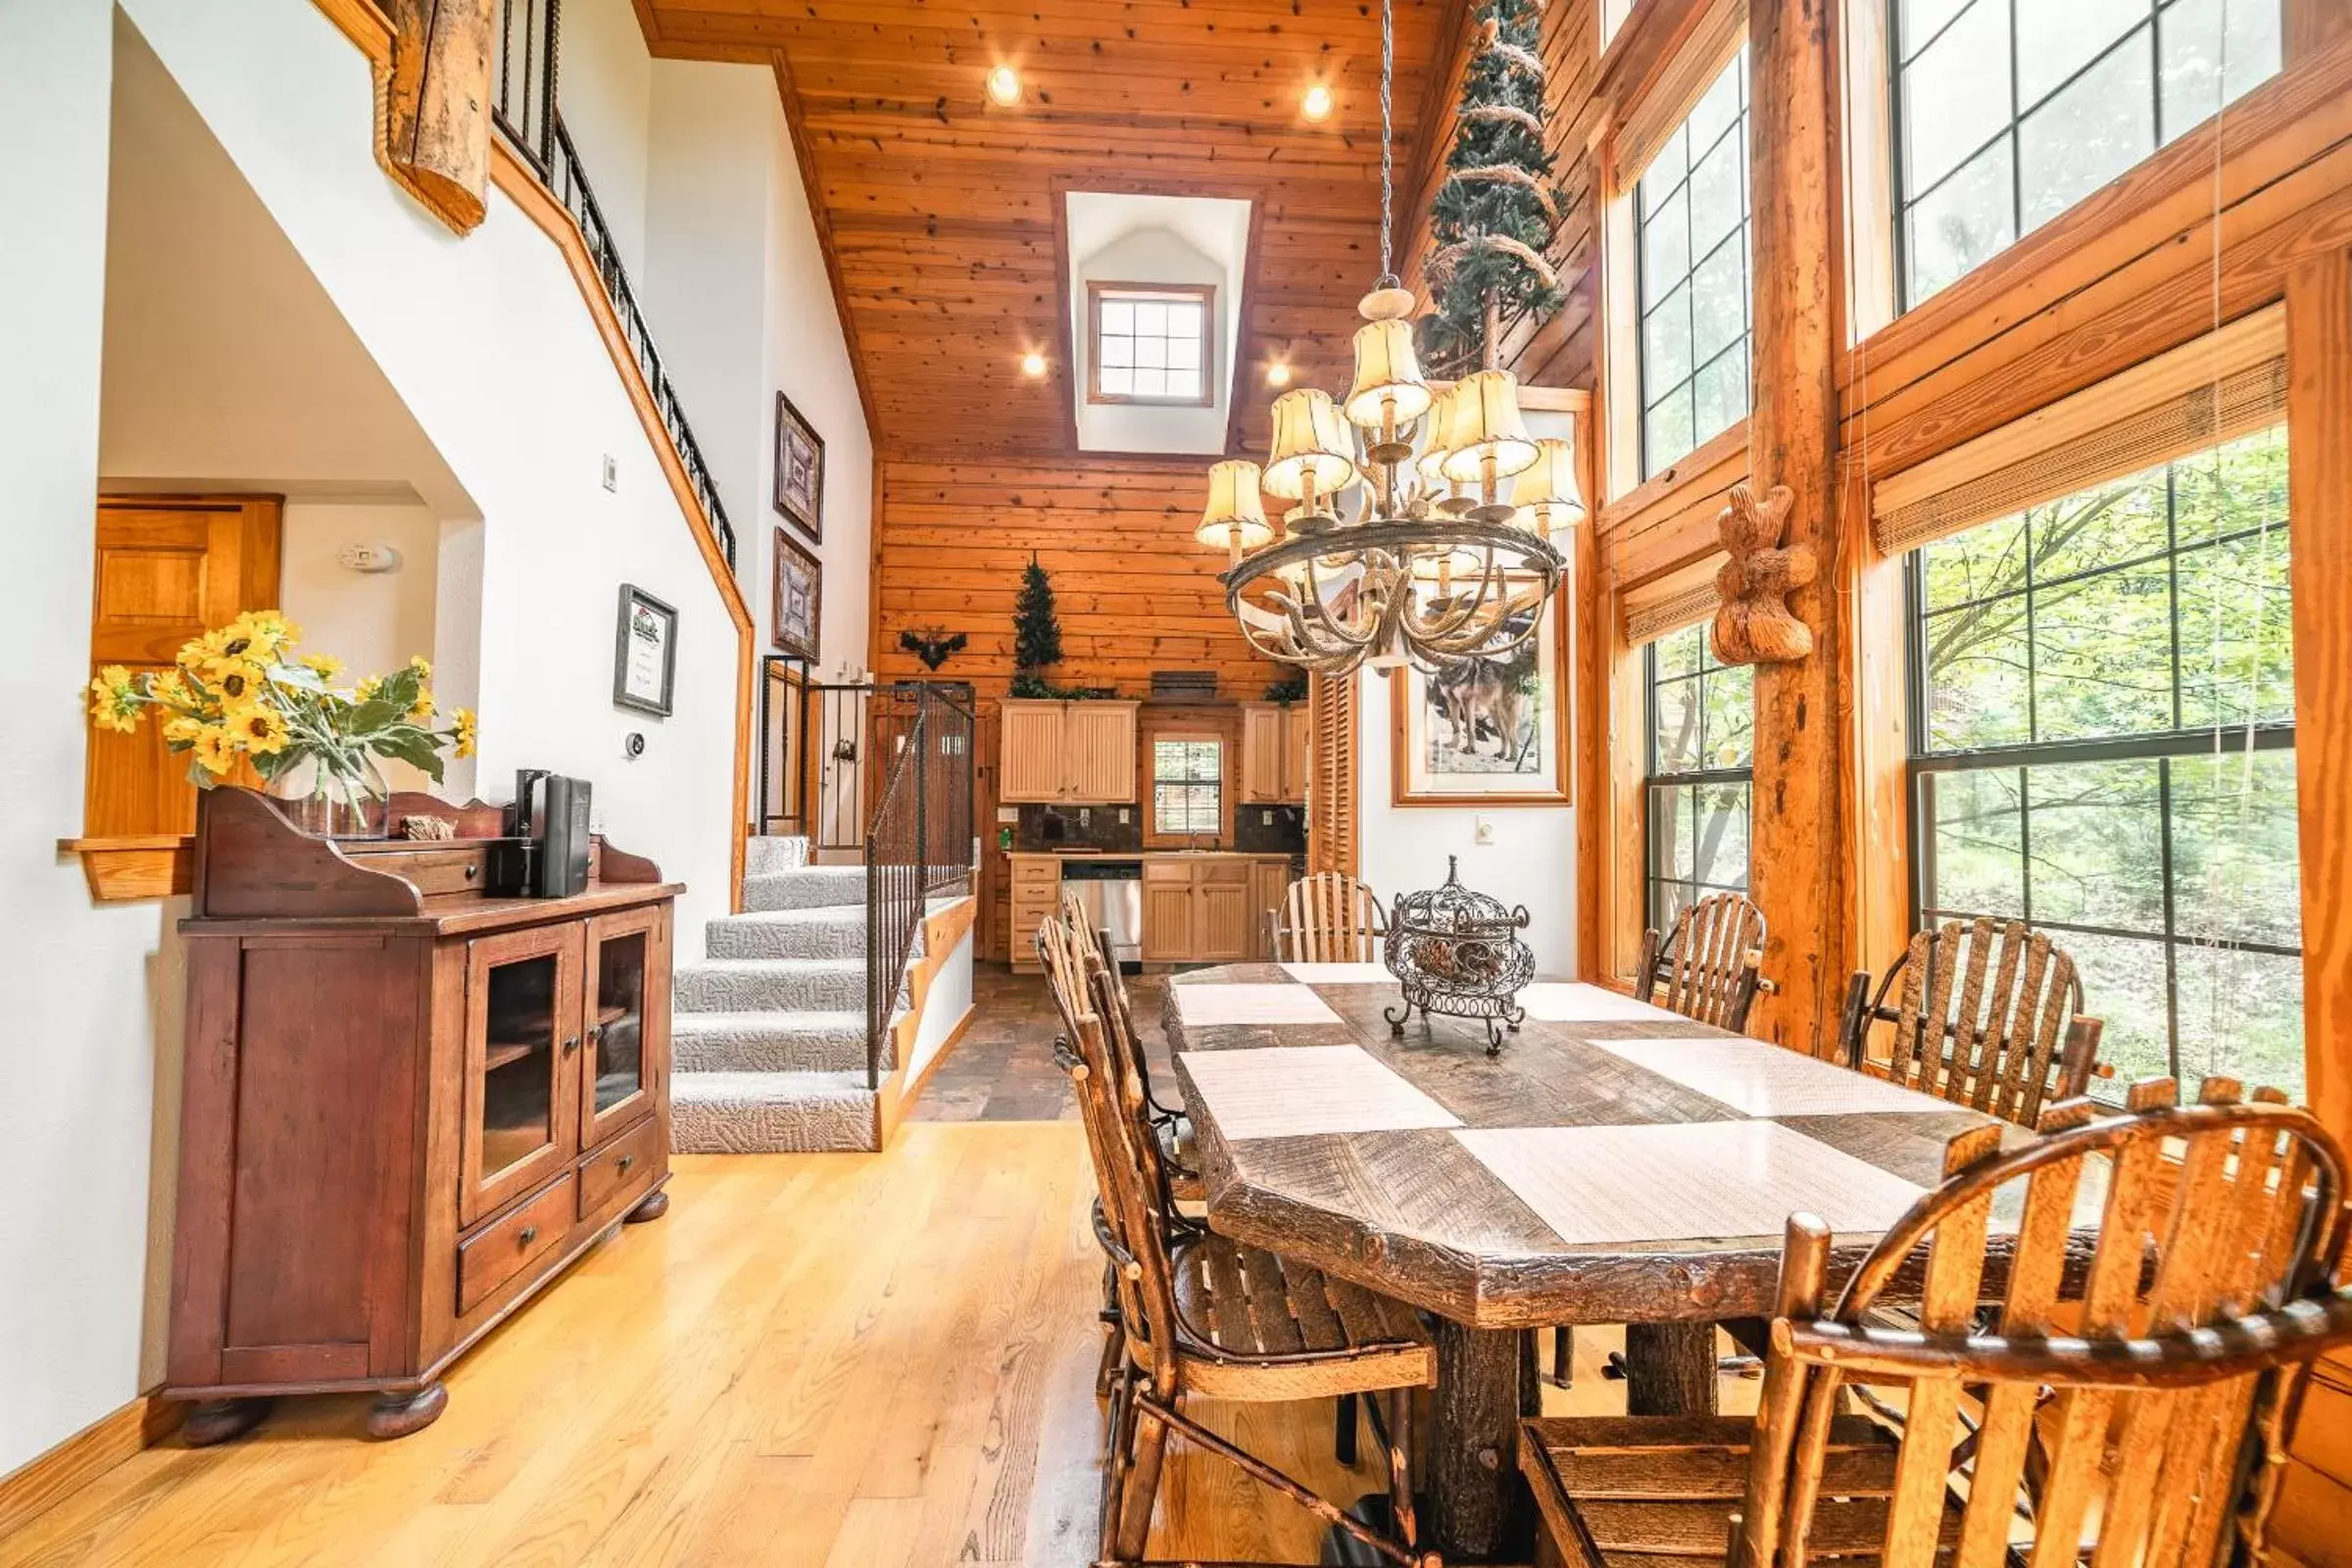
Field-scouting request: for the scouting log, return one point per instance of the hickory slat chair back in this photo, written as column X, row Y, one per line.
column 2119, row 1408
column 1989, row 1016
column 1171, row 1127
column 1329, row 918
column 1203, row 1315
column 1709, row 966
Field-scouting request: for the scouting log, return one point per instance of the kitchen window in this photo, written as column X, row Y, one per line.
column 1188, row 786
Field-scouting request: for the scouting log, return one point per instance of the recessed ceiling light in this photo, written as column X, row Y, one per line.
column 1317, row 104
column 1278, row 374
column 1033, row 366
column 1005, row 87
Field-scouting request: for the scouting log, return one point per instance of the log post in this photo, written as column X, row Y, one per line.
column 1802, row 708
column 437, row 105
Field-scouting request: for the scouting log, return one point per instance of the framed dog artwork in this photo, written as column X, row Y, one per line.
column 1487, row 732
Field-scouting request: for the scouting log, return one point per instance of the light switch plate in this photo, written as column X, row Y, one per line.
column 1482, row 829
column 1124, row 817
column 612, row 473
column 1009, row 814
column 1266, row 819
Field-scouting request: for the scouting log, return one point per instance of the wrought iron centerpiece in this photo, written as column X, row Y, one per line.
column 1457, row 952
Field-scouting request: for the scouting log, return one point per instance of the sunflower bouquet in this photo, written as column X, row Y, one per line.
column 241, row 691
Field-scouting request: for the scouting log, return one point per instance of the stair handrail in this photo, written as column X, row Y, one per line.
column 919, row 803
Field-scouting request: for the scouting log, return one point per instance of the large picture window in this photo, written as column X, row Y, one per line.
column 1701, row 763
column 1691, row 239
column 2103, row 745
column 2011, row 111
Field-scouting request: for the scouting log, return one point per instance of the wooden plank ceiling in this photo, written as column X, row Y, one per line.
column 941, row 212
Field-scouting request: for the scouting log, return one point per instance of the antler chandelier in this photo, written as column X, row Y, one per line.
column 1438, row 564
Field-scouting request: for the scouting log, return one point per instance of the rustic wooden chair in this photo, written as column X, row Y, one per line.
column 1989, row 1016
column 1326, row 918
column 2137, row 1379
column 1169, row 1123
column 1208, row 1316
column 1708, row 967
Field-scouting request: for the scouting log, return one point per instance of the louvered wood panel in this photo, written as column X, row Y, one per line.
column 1330, row 800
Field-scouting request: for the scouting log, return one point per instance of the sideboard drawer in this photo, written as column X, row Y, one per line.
column 626, row 1164
column 505, row 1247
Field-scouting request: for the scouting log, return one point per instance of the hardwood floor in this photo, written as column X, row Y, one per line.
column 832, row 1361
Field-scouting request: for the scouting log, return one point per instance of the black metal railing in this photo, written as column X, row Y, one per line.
column 522, row 102
column 918, row 840
column 523, row 109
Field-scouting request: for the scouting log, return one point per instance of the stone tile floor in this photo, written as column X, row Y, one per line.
column 1003, row 1069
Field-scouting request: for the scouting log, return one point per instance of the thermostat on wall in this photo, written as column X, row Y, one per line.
column 369, row 558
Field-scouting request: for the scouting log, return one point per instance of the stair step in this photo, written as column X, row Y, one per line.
column 770, row 1113
column 807, row 887
column 819, row 933
column 770, row 984
column 765, row 852
column 769, row 1042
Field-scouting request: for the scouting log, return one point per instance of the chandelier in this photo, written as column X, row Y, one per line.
column 1424, row 512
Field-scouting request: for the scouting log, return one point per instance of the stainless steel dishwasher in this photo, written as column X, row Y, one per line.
column 1111, row 893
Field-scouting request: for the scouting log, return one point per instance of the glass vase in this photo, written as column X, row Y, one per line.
column 334, row 795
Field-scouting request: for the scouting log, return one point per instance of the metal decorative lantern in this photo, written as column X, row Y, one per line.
column 1458, row 953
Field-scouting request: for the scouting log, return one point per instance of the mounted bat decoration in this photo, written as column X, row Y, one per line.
column 1753, row 624
column 932, row 645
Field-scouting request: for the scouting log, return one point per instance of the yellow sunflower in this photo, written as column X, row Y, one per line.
column 259, row 729
column 216, row 750
column 235, row 680
column 114, row 704
column 181, row 731
column 465, row 731
column 171, row 688
column 265, row 632
column 368, row 688
column 423, row 707
column 326, row 666
column 423, row 666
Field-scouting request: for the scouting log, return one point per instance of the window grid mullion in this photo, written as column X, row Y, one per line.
column 2171, row 934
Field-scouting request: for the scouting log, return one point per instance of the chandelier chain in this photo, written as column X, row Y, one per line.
column 1388, row 181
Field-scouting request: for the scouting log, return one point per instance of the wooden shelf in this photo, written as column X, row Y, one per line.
column 138, row 866
column 503, row 1051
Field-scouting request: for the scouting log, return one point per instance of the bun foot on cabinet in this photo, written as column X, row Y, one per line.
column 395, row 1415
column 219, row 1420
column 656, row 1204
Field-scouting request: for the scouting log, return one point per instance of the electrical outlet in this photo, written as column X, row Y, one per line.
column 611, row 473
column 1266, row 819
column 1086, row 816
column 1125, row 816
column 1482, row 830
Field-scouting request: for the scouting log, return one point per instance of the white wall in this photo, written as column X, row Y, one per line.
column 738, row 297
column 487, row 343
column 373, row 621
column 1402, row 849
column 945, row 1006
column 89, row 987
column 603, row 91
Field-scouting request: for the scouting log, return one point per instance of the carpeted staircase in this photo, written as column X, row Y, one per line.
column 767, row 1033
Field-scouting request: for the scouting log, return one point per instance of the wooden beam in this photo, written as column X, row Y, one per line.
column 1801, row 707
column 437, row 105
column 2319, row 470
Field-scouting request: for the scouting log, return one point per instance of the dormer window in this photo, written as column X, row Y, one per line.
column 1151, row 343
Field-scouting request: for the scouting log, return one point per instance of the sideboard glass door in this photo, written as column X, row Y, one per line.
column 523, row 1045
column 629, row 997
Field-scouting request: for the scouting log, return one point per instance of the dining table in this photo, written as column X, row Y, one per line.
column 1613, row 1163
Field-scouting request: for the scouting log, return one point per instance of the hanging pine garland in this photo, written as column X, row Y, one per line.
column 1498, row 208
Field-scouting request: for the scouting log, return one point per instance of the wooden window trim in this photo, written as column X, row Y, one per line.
column 1205, row 294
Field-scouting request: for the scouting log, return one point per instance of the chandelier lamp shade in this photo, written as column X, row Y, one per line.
column 1546, row 498
column 1235, row 519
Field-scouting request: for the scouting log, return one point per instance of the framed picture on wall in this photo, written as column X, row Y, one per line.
column 1490, row 732
column 799, row 586
column 645, row 652
column 799, row 471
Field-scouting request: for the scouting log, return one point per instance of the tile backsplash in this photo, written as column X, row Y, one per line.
column 1079, row 827
column 1284, row 834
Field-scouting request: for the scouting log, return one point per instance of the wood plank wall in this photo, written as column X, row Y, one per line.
column 1132, row 590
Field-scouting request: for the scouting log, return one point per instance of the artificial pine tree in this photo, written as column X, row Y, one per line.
column 1036, row 633
column 1497, row 207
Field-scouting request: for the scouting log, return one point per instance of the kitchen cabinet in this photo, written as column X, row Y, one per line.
column 1067, row 752
column 1275, row 754
column 1269, row 884
column 1036, row 891
column 1208, row 908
